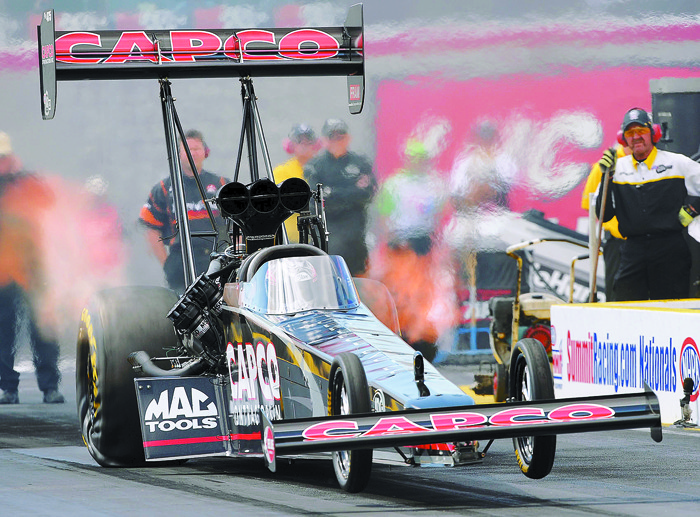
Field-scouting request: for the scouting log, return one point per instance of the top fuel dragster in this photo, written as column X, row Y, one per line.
column 276, row 350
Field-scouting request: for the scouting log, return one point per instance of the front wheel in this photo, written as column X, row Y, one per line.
column 531, row 379
column 348, row 393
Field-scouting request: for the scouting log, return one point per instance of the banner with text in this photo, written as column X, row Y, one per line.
column 616, row 348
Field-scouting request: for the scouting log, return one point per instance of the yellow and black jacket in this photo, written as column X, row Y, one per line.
column 647, row 196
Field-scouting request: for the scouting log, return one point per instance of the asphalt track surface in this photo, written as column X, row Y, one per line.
column 46, row 470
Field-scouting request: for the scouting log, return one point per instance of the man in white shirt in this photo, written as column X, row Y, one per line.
column 654, row 194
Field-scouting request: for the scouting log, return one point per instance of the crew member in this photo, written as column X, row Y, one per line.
column 302, row 144
column 654, row 195
column 348, row 187
column 612, row 238
column 22, row 276
column 158, row 214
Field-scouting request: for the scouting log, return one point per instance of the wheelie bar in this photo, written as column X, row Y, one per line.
column 464, row 423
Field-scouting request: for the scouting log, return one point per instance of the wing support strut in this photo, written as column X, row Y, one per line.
column 173, row 129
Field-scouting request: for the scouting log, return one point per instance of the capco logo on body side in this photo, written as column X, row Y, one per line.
column 250, row 367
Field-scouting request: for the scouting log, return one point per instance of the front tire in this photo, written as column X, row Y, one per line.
column 348, row 393
column 531, row 379
column 115, row 323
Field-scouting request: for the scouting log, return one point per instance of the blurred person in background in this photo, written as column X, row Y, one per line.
column 302, row 144
column 483, row 173
column 655, row 195
column 102, row 224
column 479, row 185
column 406, row 257
column 612, row 238
column 410, row 201
column 481, row 178
column 349, row 185
column 158, row 214
column 22, row 276
column 84, row 243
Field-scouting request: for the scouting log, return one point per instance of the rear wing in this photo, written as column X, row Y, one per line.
column 175, row 54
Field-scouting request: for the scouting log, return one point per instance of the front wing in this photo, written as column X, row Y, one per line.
column 461, row 424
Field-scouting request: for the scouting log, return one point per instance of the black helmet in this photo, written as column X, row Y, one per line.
column 333, row 127
column 301, row 132
column 636, row 116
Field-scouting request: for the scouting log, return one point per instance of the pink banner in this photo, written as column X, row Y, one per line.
column 551, row 126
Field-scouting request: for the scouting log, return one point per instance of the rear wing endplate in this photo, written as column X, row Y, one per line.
column 174, row 54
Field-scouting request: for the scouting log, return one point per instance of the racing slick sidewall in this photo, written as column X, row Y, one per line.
column 115, row 323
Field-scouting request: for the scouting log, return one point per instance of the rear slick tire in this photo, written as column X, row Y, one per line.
column 348, row 393
column 531, row 379
column 115, row 323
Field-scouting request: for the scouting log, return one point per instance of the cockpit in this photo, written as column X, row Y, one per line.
column 295, row 284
